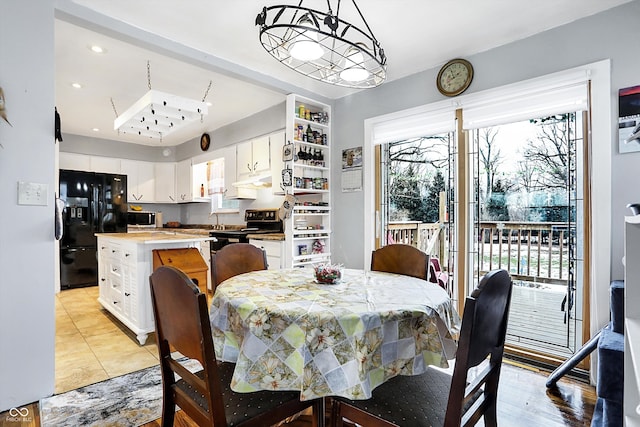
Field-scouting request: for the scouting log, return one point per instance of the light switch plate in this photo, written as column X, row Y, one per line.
column 32, row 193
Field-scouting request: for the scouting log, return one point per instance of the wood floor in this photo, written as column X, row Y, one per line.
column 523, row 401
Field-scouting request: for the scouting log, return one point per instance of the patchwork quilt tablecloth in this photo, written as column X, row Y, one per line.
column 284, row 331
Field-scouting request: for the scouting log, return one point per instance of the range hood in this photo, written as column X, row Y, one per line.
column 257, row 181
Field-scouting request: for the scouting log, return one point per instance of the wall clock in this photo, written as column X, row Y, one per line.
column 454, row 77
column 205, row 141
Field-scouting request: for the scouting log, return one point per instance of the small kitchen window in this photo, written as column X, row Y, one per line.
column 221, row 205
column 216, row 188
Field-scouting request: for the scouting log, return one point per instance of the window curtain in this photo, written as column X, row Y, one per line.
column 215, row 176
column 418, row 122
column 565, row 93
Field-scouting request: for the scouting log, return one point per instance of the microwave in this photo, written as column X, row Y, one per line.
column 145, row 218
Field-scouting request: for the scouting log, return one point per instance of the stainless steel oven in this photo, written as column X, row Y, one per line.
column 258, row 221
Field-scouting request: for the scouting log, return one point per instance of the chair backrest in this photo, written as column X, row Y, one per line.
column 482, row 334
column 234, row 259
column 182, row 323
column 401, row 259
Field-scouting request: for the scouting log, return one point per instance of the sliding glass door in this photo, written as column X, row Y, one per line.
column 528, row 220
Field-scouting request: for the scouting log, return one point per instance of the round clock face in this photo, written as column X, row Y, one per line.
column 454, row 77
column 205, row 140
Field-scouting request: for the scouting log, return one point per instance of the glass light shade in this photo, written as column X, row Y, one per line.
column 354, row 70
column 305, row 46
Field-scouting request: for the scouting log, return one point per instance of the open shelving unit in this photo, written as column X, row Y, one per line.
column 308, row 229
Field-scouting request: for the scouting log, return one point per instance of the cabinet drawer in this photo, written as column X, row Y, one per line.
column 271, row 247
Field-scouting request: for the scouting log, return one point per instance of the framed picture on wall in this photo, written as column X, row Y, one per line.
column 629, row 119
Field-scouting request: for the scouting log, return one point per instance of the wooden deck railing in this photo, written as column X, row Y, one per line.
column 530, row 251
column 414, row 233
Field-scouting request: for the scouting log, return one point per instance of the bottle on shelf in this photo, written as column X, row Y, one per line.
column 201, row 190
column 309, row 133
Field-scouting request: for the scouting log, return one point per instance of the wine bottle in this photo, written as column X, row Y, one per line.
column 309, row 134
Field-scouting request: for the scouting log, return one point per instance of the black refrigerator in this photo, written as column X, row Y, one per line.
column 93, row 203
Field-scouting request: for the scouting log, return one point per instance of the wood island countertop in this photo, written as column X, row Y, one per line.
column 266, row 236
column 153, row 237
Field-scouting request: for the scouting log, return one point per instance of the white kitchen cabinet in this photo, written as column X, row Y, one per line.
column 253, row 157
column 308, row 229
column 74, row 161
column 104, row 164
column 275, row 251
column 229, row 154
column 124, row 266
column 165, row 182
column 184, row 190
column 119, row 290
column 85, row 162
column 140, row 180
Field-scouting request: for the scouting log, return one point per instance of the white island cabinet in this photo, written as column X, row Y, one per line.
column 125, row 262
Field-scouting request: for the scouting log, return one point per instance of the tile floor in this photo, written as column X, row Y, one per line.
column 91, row 344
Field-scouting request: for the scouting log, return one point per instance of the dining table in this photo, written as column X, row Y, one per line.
column 285, row 331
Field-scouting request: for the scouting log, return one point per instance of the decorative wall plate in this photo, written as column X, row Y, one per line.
column 287, row 152
column 287, row 175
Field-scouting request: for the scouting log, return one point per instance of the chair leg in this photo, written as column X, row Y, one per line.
column 490, row 416
column 319, row 413
column 336, row 420
column 168, row 413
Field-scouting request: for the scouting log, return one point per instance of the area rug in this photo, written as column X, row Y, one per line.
column 129, row 400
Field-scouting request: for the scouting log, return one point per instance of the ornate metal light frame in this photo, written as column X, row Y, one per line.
column 282, row 26
column 159, row 114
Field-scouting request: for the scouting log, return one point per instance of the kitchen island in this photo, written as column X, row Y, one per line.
column 125, row 261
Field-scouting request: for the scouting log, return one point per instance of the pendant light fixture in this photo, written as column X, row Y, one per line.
column 157, row 114
column 323, row 46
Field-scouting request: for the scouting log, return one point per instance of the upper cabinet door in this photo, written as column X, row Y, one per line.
column 105, row 164
column 253, row 157
column 140, row 180
column 244, row 159
column 261, row 154
column 165, row 182
column 183, row 178
column 73, row 161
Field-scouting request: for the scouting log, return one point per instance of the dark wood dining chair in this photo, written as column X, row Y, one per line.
column 401, row 259
column 234, row 259
column 182, row 322
column 436, row 398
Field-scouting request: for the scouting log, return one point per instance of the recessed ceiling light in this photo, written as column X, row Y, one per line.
column 97, row 49
column 209, row 104
column 76, row 85
column 95, row 130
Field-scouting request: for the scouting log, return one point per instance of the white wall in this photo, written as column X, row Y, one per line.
column 607, row 35
column 27, row 326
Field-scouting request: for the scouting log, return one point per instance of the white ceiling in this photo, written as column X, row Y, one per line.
column 191, row 42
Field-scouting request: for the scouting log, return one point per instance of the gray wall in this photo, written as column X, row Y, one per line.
column 27, row 245
column 613, row 34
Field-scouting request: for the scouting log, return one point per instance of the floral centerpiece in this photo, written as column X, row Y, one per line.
column 328, row 273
